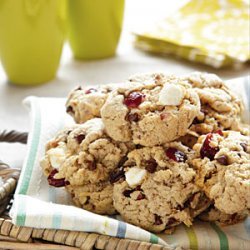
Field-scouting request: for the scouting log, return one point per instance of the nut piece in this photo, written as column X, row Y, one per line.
column 134, row 176
column 171, row 94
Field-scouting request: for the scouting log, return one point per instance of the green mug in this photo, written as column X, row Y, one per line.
column 31, row 39
column 94, row 27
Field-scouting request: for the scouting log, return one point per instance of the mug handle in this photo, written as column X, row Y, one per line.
column 32, row 7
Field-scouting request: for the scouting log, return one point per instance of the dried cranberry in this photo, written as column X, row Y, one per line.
column 207, row 150
column 91, row 165
column 134, row 99
column 116, row 175
column 91, row 90
column 151, row 165
column 127, row 192
column 56, row 182
column 132, row 117
column 141, row 196
column 219, row 132
column 244, row 146
column 69, row 109
column 222, row 160
column 158, row 220
column 176, row 155
column 80, row 138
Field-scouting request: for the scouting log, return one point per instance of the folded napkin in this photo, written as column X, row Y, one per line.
column 36, row 204
column 211, row 32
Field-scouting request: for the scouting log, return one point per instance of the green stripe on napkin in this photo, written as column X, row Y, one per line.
column 192, row 238
column 222, row 237
column 33, row 149
column 154, row 239
column 21, row 216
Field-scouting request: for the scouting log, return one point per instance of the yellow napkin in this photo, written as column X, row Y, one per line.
column 214, row 32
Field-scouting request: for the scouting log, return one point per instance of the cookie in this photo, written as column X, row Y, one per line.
column 90, row 154
column 150, row 113
column 223, row 170
column 220, row 107
column 215, row 215
column 96, row 197
column 84, row 104
column 82, row 157
column 157, row 190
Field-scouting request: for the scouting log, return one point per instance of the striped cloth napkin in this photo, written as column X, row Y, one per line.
column 38, row 205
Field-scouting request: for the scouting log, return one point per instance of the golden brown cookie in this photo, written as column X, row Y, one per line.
column 157, row 190
column 150, row 112
column 223, row 170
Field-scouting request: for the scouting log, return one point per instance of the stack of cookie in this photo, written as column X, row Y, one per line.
column 159, row 150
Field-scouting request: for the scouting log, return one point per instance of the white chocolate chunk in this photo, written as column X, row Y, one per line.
column 57, row 156
column 171, row 94
column 134, row 176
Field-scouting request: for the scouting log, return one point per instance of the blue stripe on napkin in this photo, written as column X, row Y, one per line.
column 121, row 231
